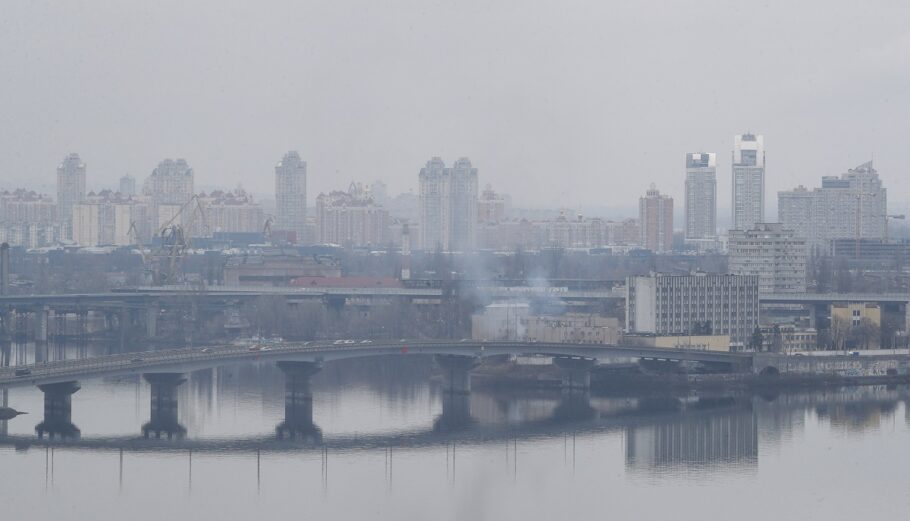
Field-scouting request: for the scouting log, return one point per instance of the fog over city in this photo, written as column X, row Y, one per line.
column 454, row 260
column 560, row 104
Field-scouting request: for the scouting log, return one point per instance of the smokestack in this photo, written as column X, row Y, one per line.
column 405, row 252
column 4, row 269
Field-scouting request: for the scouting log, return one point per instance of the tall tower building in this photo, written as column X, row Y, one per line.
column 290, row 195
column 701, row 195
column 432, row 221
column 462, row 198
column 70, row 190
column 169, row 187
column 748, row 181
column 448, row 205
column 127, row 186
column 655, row 213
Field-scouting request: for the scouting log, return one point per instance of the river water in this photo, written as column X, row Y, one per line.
column 388, row 446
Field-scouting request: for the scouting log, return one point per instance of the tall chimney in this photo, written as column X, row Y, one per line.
column 4, row 269
column 405, row 252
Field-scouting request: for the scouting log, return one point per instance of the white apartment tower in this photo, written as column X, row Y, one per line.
column 168, row 188
column 70, row 190
column 290, row 195
column 448, row 205
column 701, row 195
column 748, row 180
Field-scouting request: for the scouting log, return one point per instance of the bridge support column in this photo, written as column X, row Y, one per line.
column 42, row 322
column 151, row 320
column 298, row 402
column 576, row 372
column 58, row 411
column 456, row 371
column 163, row 411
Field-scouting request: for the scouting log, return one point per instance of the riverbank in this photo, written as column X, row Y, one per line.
column 630, row 376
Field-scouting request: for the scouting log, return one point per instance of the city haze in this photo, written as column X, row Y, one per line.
column 565, row 104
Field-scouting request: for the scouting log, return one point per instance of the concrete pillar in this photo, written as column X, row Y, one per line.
column 456, row 370
column 151, row 320
column 58, row 407
column 42, row 324
column 4, row 269
column 163, row 411
column 576, row 372
column 298, row 402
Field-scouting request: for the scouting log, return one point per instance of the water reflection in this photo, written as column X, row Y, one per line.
column 694, row 435
column 392, row 413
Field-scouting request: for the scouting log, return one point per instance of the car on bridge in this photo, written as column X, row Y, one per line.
column 22, row 371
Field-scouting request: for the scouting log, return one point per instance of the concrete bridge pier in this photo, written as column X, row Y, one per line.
column 456, row 370
column 576, row 372
column 163, row 411
column 42, row 324
column 58, row 411
column 298, row 402
column 151, row 320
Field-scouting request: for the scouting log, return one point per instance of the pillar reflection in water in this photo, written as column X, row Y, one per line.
column 163, row 420
column 58, row 409
column 456, row 392
column 298, row 403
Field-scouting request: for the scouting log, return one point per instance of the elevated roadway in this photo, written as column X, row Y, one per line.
column 191, row 359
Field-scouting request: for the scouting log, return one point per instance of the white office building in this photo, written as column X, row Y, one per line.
column 683, row 304
column 70, row 190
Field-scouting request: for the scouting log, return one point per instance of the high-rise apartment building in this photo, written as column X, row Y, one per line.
column 748, row 180
column 127, row 186
column 290, row 195
column 701, row 195
column 70, row 189
column 655, row 215
column 168, row 188
column 681, row 304
column 351, row 219
column 853, row 205
column 232, row 211
column 448, row 205
column 109, row 218
column 773, row 253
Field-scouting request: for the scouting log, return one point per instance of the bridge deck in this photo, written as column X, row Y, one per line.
column 191, row 359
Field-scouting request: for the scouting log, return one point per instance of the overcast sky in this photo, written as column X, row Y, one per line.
column 559, row 103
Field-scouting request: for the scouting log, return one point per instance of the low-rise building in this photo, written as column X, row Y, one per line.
column 695, row 342
column 572, row 328
column 277, row 269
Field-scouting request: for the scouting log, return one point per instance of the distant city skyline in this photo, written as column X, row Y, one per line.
column 532, row 124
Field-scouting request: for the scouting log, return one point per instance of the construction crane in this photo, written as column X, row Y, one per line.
column 176, row 241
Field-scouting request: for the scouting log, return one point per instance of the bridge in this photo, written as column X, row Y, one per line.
column 164, row 371
column 192, row 359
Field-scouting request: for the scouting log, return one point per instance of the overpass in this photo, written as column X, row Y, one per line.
column 192, row 359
